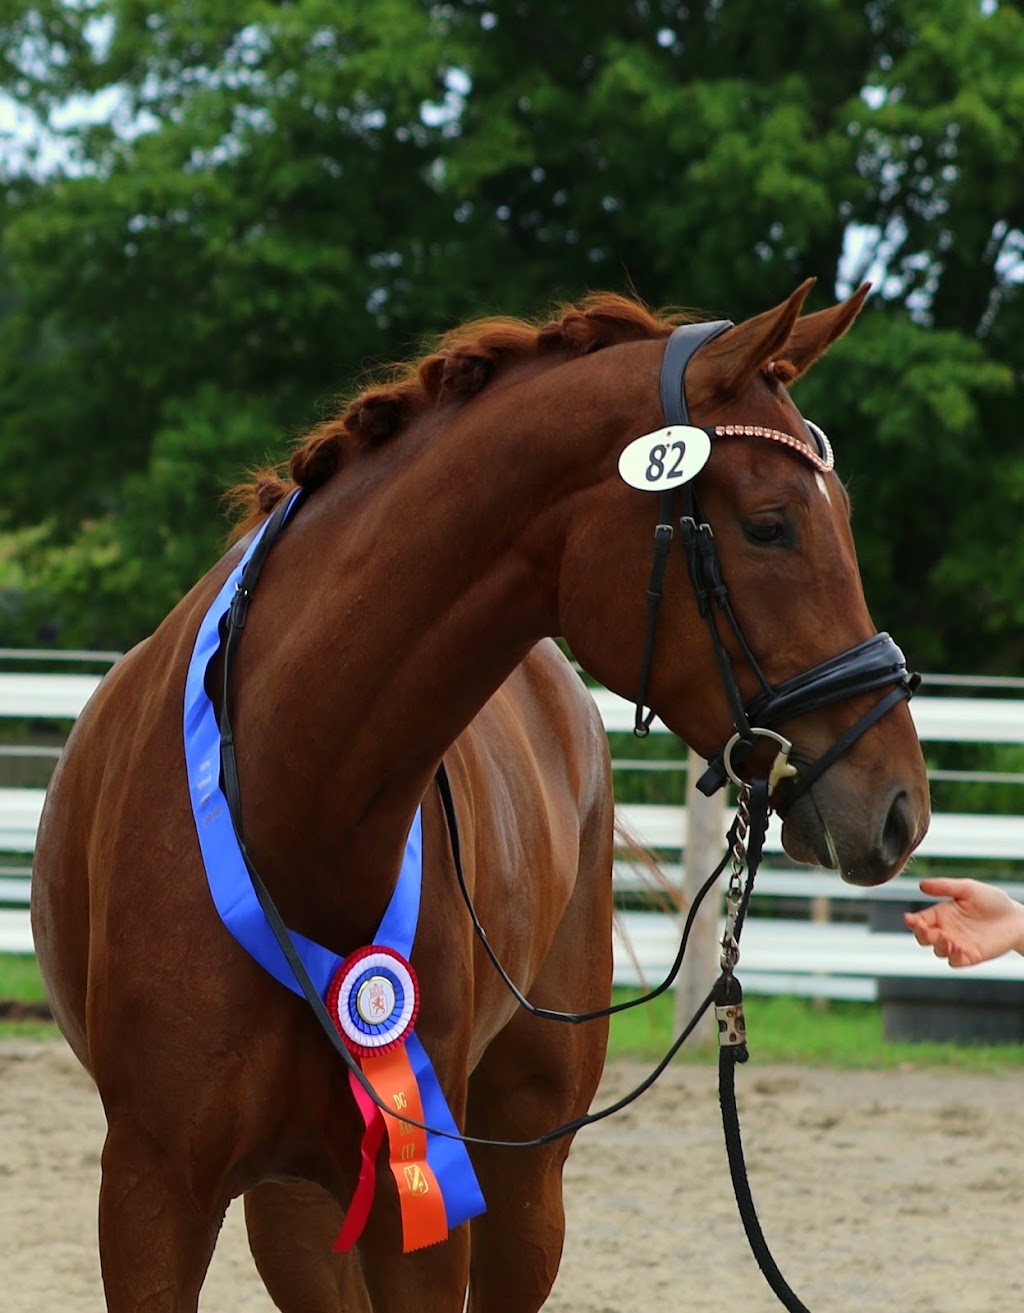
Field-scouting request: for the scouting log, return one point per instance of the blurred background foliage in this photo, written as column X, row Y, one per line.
column 216, row 216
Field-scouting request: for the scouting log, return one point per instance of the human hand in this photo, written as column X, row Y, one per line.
column 979, row 922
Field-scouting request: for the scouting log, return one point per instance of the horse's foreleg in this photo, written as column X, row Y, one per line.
column 292, row 1227
column 534, row 1076
column 431, row 1280
column 517, row 1243
column 156, row 1234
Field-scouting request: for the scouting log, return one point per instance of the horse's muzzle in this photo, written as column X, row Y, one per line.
column 866, row 848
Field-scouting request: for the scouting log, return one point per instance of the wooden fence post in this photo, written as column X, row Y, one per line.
column 705, row 843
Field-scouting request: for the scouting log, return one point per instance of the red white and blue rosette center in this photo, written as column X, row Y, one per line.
column 373, row 1000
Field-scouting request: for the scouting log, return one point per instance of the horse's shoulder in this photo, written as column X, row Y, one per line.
column 542, row 723
column 550, row 679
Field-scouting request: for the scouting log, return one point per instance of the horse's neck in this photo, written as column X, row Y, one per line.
column 438, row 597
column 414, row 585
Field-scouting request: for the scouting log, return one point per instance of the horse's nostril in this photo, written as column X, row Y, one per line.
column 896, row 833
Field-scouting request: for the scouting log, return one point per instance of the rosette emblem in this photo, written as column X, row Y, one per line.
column 373, row 1000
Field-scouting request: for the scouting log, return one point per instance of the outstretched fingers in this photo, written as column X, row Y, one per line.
column 977, row 922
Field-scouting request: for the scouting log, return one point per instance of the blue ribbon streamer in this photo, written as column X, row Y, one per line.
column 239, row 909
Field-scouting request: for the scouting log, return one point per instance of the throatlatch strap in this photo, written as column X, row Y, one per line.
column 662, row 547
column 698, row 544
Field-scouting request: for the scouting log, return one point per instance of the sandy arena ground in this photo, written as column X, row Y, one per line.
column 877, row 1191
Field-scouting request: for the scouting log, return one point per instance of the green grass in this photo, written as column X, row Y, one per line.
column 20, row 982
column 842, row 1035
column 19, row 978
column 28, row 1030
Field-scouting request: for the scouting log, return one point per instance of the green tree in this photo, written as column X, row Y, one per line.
column 283, row 193
column 142, row 559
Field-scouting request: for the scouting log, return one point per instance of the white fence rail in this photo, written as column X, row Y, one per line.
column 839, row 959
column 829, row 958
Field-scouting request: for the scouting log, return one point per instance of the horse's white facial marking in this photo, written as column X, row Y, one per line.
column 830, row 843
column 819, row 479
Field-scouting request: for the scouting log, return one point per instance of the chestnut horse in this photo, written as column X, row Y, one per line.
column 459, row 516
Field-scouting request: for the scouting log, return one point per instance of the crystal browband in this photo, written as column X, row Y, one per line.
column 823, row 462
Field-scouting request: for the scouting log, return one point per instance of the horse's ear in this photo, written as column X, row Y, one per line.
column 814, row 334
column 741, row 351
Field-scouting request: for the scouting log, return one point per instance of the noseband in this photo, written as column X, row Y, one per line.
column 874, row 664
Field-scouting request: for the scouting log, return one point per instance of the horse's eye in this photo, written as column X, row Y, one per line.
column 766, row 532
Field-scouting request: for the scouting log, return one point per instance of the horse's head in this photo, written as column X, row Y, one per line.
column 768, row 513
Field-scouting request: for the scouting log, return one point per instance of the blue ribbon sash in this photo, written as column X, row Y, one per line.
column 239, row 909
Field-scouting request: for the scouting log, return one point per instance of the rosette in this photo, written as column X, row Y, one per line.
column 373, row 1000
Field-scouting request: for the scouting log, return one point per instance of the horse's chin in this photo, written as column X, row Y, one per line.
column 864, row 854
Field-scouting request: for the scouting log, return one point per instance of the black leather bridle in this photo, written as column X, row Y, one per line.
column 874, row 664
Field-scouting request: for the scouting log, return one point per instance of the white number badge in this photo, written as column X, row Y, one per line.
column 665, row 458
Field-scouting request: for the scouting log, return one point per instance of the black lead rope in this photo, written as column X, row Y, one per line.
column 732, row 1040
column 729, row 1001
column 730, row 993
column 745, row 842
column 573, row 1018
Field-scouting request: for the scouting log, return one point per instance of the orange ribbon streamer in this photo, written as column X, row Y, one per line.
column 424, row 1218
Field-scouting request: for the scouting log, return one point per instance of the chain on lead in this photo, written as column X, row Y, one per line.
column 734, row 892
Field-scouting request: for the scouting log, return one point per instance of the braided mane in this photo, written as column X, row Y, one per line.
column 462, row 363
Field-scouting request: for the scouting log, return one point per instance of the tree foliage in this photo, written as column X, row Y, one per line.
column 261, row 198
